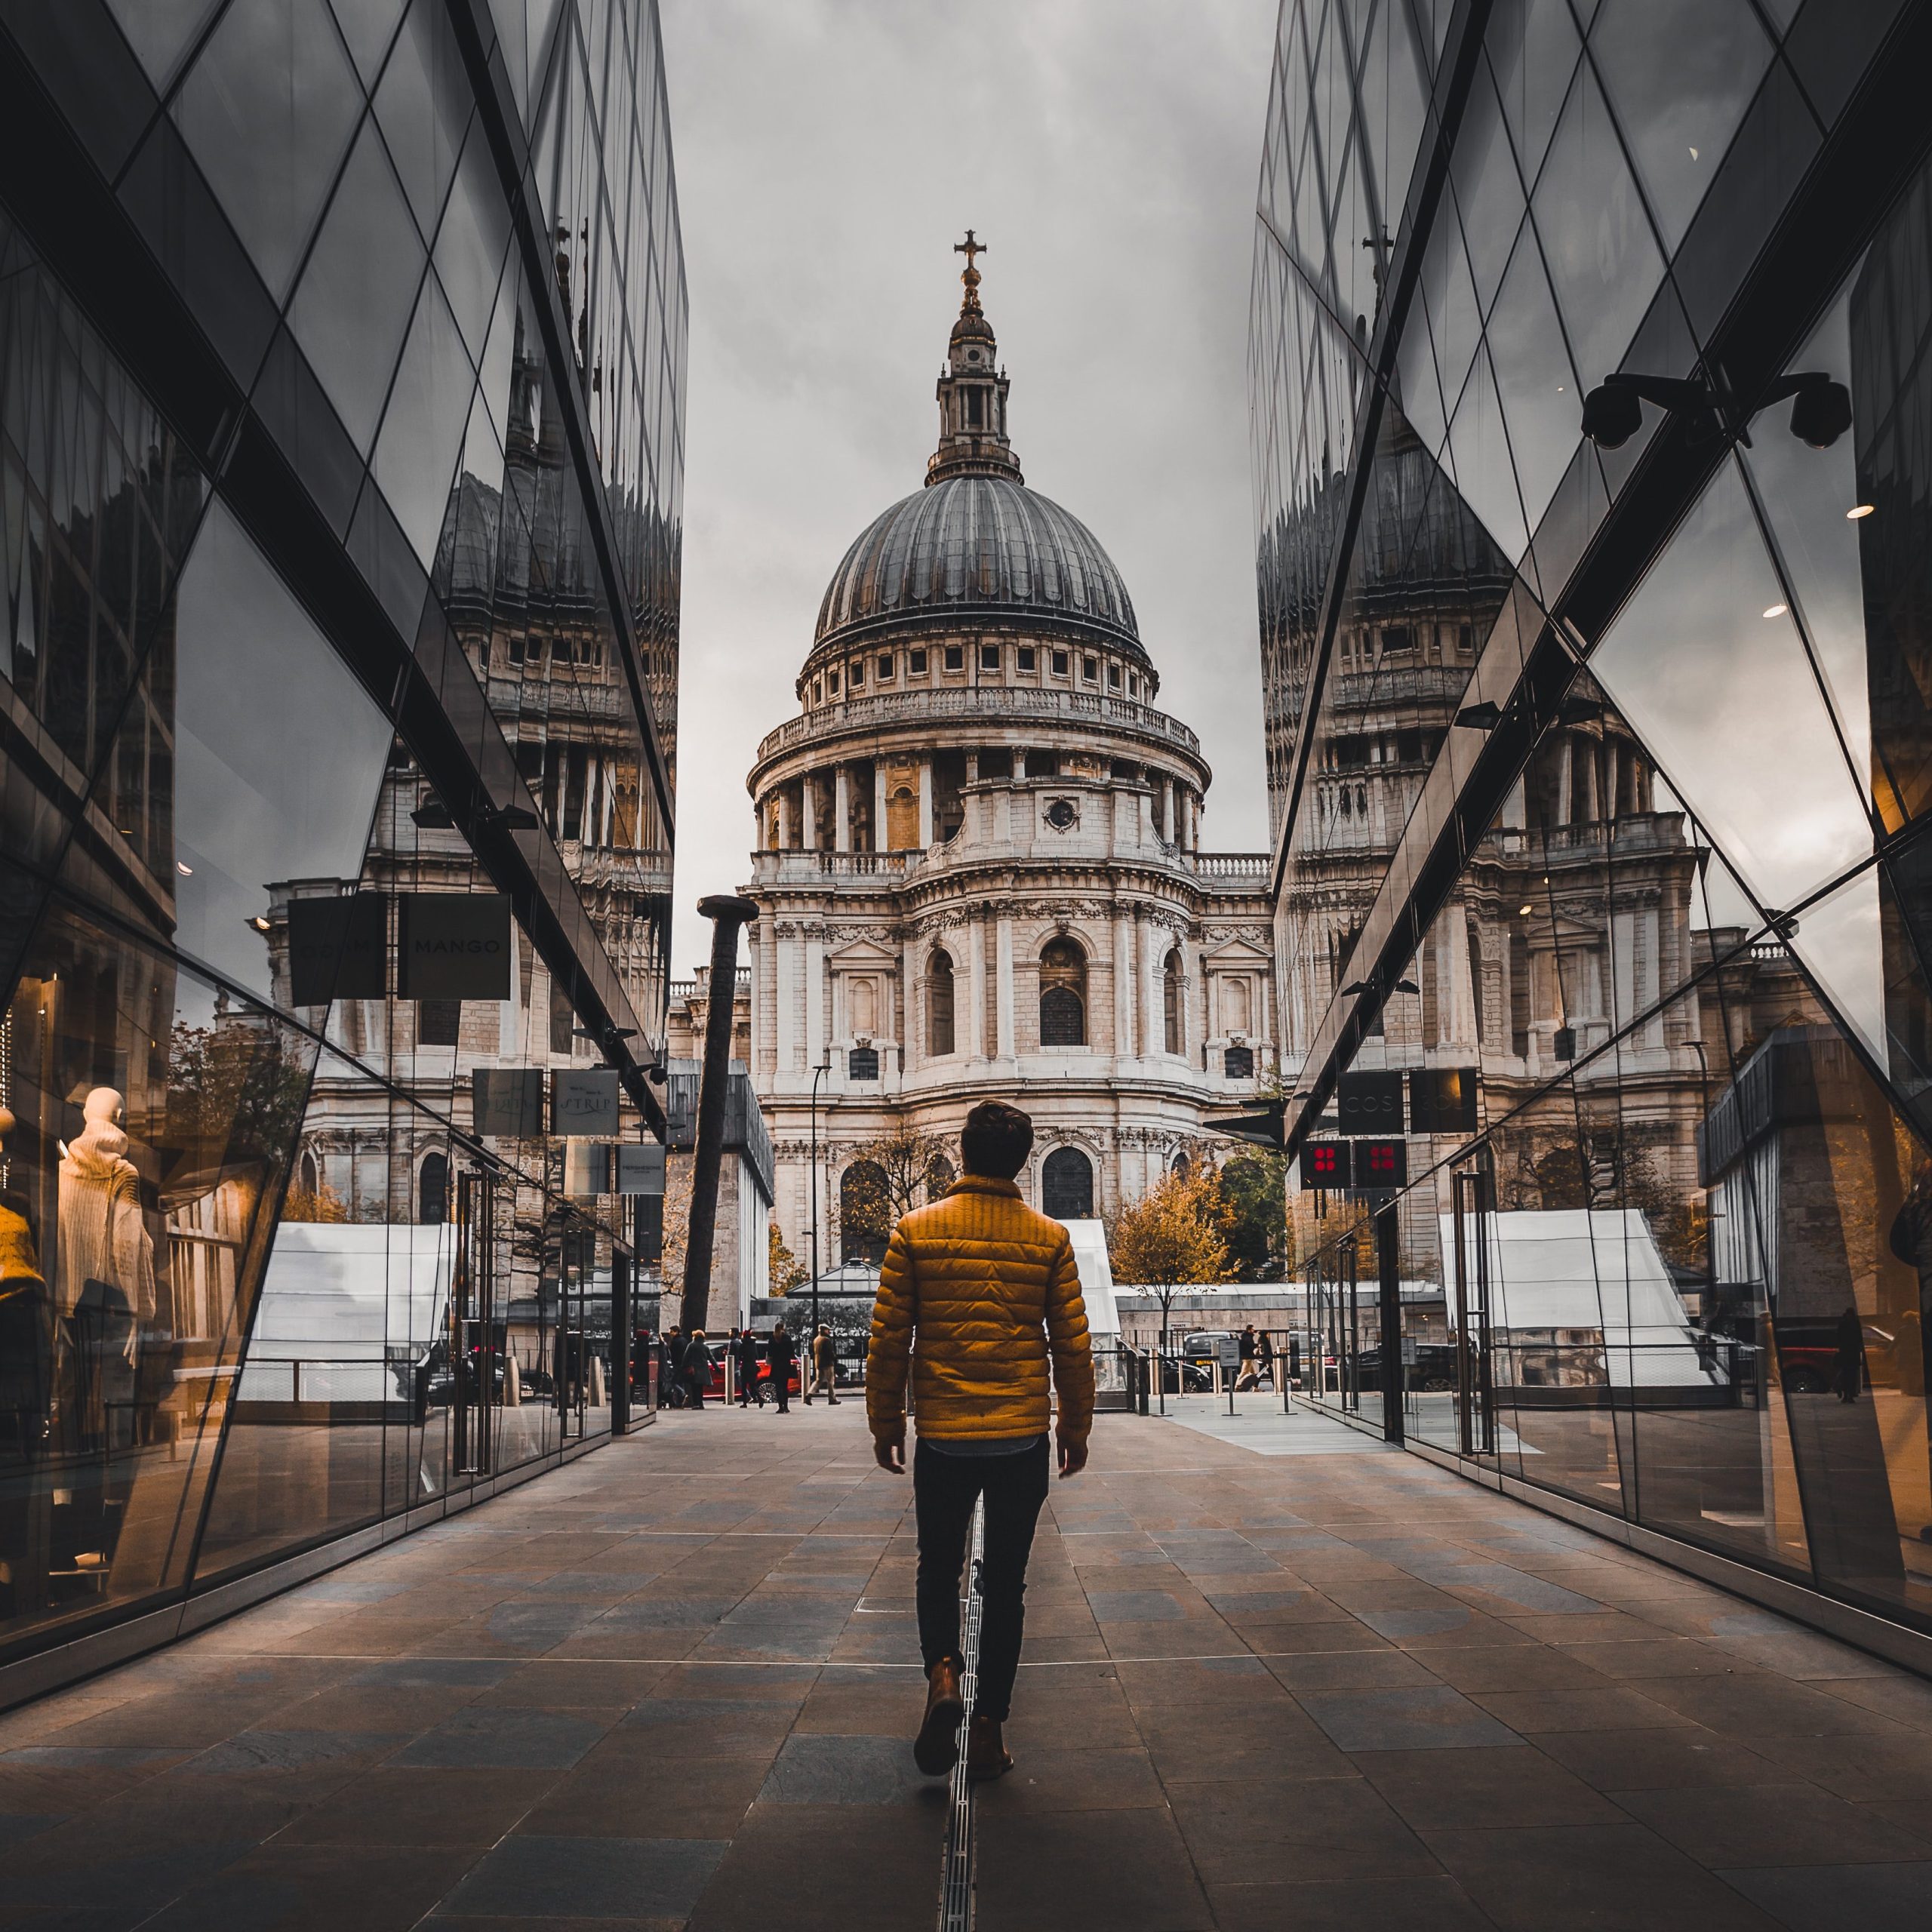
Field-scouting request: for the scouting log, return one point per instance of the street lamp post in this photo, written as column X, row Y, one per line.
column 818, row 1074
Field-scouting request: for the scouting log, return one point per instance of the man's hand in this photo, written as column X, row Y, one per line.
column 1073, row 1455
column 889, row 1452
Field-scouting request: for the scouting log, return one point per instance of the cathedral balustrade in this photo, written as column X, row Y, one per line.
column 1230, row 865
column 978, row 701
column 788, row 868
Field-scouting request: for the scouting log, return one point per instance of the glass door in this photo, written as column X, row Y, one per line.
column 1474, row 1220
column 477, row 1327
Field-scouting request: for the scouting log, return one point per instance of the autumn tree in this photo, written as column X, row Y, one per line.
column 886, row 1178
column 1174, row 1236
column 785, row 1269
column 1254, row 1188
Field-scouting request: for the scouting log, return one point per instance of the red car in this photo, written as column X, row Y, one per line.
column 714, row 1389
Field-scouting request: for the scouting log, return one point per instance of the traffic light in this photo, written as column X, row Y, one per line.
column 1325, row 1166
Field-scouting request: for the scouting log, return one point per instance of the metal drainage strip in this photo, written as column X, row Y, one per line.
column 955, row 1890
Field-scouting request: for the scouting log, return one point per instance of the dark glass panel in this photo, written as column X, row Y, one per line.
column 277, row 756
column 160, row 31
column 1680, row 78
column 1533, row 50
column 1602, row 257
column 422, row 431
column 423, row 105
column 1534, row 376
column 268, row 108
column 357, row 291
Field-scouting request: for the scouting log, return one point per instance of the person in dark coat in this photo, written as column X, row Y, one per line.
column 1850, row 1375
column 781, row 1354
column 697, row 1367
column 750, row 1389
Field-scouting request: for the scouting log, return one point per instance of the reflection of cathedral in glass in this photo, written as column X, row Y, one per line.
column 1597, row 767
column 340, row 560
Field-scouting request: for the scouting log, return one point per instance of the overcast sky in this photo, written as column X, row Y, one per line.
column 828, row 154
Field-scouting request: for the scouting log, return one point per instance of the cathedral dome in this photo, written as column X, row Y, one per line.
column 985, row 547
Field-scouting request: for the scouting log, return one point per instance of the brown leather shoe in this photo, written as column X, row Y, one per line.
column 987, row 1755
column 936, row 1749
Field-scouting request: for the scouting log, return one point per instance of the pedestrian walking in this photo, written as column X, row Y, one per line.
column 1850, row 1375
column 779, row 1352
column 825, row 1365
column 697, row 1367
column 977, row 1296
column 1265, row 1358
column 750, row 1389
column 1247, row 1376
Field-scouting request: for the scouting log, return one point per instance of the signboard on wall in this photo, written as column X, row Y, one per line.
column 1442, row 1099
column 508, row 1102
column 640, row 1167
column 338, row 948
column 453, row 946
column 1369, row 1103
column 583, row 1103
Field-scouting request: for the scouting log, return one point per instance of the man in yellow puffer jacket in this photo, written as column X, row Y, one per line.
column 978, row 1294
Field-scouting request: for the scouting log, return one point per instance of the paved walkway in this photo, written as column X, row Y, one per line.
column 671, row 1685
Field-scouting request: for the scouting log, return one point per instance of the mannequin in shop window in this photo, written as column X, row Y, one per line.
column 105, row 1279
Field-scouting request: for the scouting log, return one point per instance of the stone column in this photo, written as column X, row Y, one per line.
column 785, row 997
column 1123, row 984
column 808, row 810
column 911, row 1034
column 1003, row 987
column 1020, row 761
column 814, row 977
column 881, row 842
column 1168, row 826
column 976, row 957
column 764, row 994
column 925, row 802
column 842, row 808
column 784, row 820
column 1153, row 941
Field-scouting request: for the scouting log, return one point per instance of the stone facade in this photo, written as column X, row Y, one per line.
column 979, row 863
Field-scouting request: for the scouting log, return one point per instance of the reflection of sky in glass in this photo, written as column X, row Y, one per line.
column 278, row 752
column 1839, row 939
column 1725, row 698
column 1806, row 493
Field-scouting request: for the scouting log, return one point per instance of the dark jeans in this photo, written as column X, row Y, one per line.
column 944, row 1489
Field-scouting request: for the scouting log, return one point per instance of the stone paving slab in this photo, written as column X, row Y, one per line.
column 1275, row 1676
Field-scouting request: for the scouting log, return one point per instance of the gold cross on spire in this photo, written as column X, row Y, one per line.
column 970, row 248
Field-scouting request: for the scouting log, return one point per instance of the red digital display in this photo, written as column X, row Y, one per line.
column 1325, row 1165
column 1381, row 1163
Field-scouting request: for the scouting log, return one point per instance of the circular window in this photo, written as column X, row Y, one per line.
column 972, row 355
column 1062, row 814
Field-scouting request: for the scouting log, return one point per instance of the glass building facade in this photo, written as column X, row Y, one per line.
column 342, row 351
column 1598, row 767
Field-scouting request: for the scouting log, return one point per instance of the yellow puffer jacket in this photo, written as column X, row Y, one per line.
column 978, row 1291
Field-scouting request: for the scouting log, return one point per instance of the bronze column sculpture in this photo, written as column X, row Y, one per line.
column 728, row 914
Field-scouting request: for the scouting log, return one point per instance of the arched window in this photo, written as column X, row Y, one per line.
column 865, row 1006
column 1066, row 1186
column 1182, row 1167
column 310, row 1179
column 1062, row 995
column 432, row 1189
column 1235, row 1006
column 939, row 1005
column 1170, row 1003
column 865, row 1213
column 939, row 1176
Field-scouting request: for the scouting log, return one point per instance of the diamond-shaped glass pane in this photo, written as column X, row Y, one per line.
column 1533, row 372
column 1706, row 664
column 1680, row 77
column 1479, row 458
column 1602, row 258
column 427, row 412
column 268, row 108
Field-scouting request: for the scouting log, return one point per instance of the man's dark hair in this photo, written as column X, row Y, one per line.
column 996, row 1140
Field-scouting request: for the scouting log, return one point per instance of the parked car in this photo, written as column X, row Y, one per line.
column 1808, row 1352
column 1432, row 1370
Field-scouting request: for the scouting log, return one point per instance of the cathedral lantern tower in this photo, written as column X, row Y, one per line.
column 978, row 861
